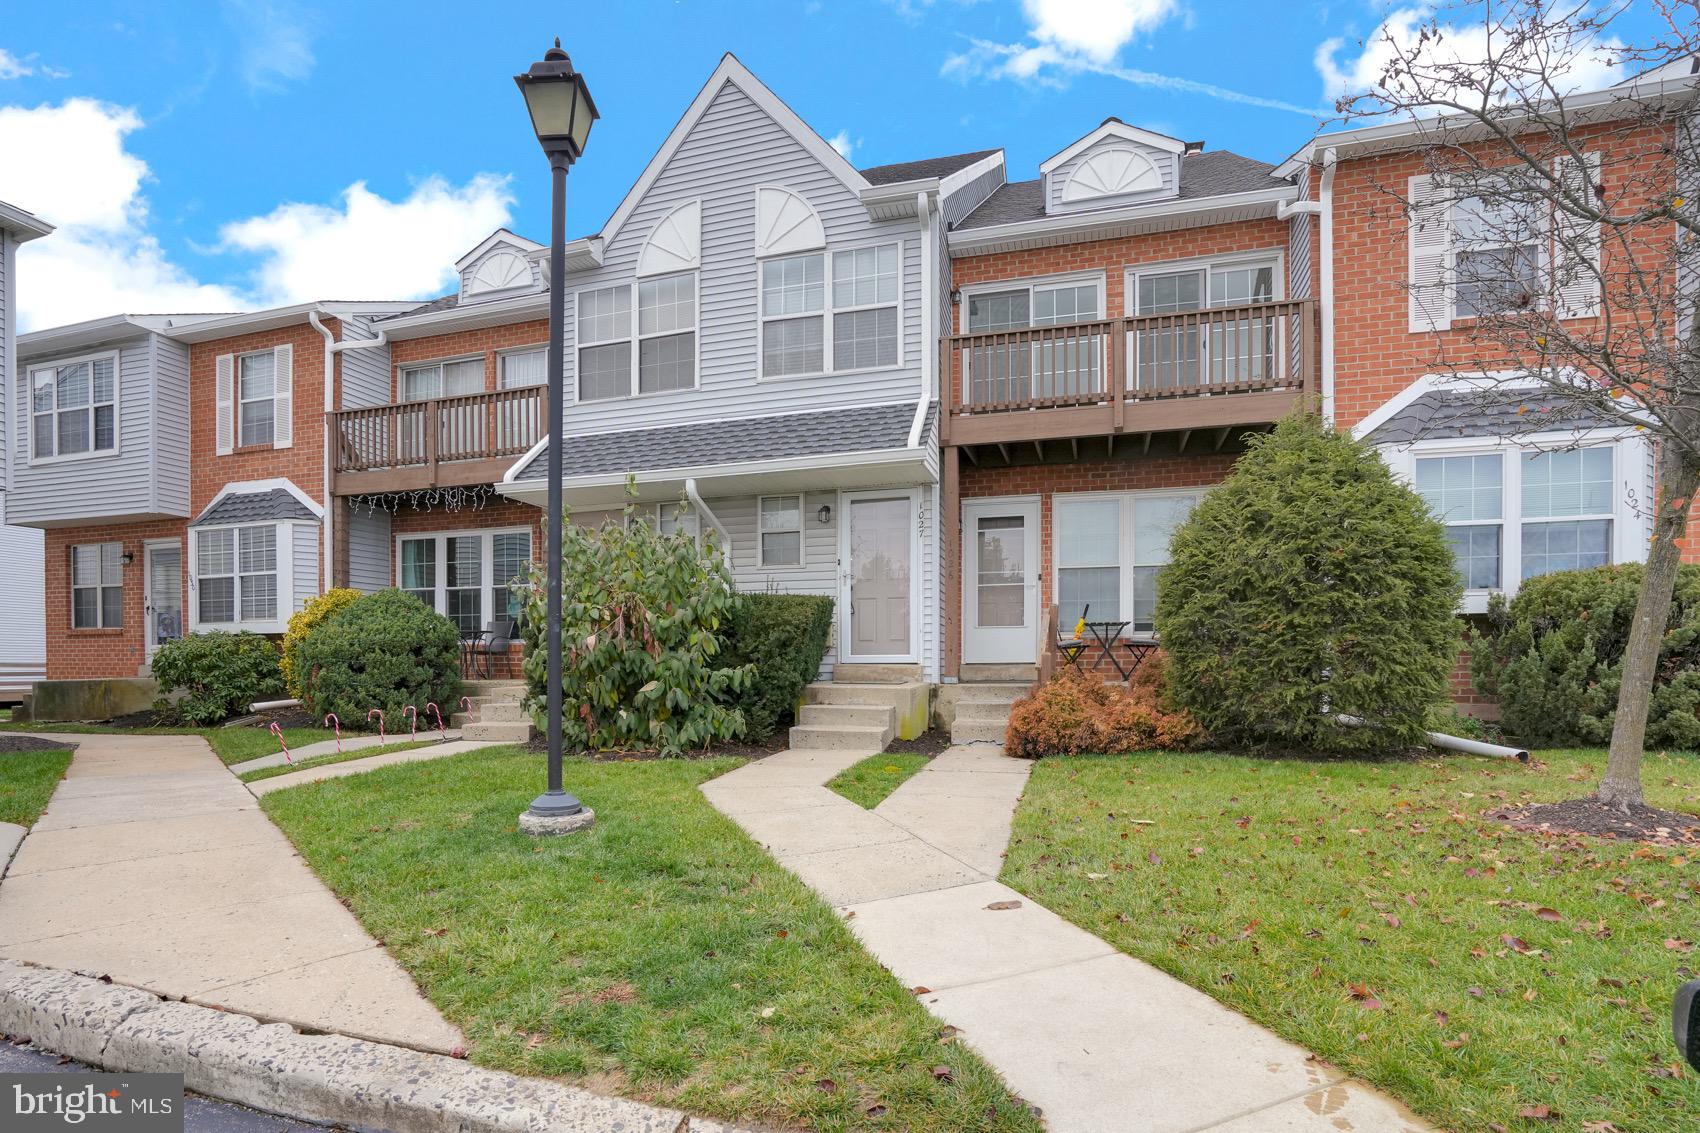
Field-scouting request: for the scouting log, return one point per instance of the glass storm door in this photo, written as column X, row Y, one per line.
column 880, row 535
column 164, row 596
column 1000, row 595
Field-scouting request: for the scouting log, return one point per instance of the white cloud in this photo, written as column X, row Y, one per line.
column 22, row 67
column 370, row 247
column 105, row 259
column 275, row 42
column 1579, row 60
column 1073, row 37
column 842, row 143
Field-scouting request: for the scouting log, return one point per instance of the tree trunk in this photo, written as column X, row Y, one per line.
column 1678, row 478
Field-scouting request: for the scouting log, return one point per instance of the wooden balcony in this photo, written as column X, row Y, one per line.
column 1218, row 369
column 445, row 442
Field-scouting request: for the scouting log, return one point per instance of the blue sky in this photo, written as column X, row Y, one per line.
column 212, row 156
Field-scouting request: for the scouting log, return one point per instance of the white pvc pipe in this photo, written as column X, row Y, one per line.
column 268, row 705
column 713, row 520
column 1329, row 161
column 929, row 348
column 1453, row 743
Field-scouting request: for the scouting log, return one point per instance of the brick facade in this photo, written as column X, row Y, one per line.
column 77, row 654
column 488, row 341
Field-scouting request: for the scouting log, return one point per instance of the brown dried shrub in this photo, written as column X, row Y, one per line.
column 1076, row 713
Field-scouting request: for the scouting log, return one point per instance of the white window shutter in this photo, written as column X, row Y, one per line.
column 1576, row 277
column 1429, row 295
column 283, row 404
column 224, row 404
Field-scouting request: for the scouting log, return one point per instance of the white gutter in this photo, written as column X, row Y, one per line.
column 332, row 349
column 1329, row 162
column 929, row 353
column 1288, row 210
column 974, row 240
column 617, row 480
column 713, row 520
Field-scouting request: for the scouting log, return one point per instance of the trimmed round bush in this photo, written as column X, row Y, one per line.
column 1308, row 585
column 383, row 650
column 785, row 637
column 302, row 621
column 221, row 674
column 1553, row 656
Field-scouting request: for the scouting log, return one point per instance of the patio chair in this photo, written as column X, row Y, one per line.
column 490, row 643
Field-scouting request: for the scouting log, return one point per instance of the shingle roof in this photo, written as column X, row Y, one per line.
column 1492, row 413
column 861, row 429
column 255, row 507
column 1209, row 174
column 926, row 167
column 442, row 303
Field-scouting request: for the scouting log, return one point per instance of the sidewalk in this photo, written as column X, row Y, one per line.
column 1101, row 1042
column 153, row 865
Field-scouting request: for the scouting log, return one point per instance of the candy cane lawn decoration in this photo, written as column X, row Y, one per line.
column 412, row 715
column 431, row 707
column 330, row 718
column 278, row 732
column 379, row 713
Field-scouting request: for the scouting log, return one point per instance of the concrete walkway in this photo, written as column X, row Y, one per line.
column 361, row 766
column 329, row 747
column 1101, row 1042
column 153, row 865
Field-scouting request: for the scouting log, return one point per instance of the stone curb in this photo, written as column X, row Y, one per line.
column 331, row 1079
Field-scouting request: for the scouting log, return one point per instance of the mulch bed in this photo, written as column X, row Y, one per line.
column 928, row 743
column 1586, row 816
column 540, row 743
column 31, row 743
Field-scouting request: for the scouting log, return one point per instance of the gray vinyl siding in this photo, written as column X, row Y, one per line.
column 365, row 376
column 124, row 484
column 171, row 397
column 734, row 148
column 368, row 549
column 304, row 550
column 1057, row 179
column 1300, row 234
column 23, row 606
column 966, row 199
column 8, row 328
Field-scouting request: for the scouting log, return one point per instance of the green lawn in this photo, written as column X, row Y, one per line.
column 325, row 760
column 662, row 955
column 1368, row 912
column 27, row 780
column 232, row 745
column 868, row 783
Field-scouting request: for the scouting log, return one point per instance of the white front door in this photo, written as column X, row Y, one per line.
column 879, row 554
column 162, row 595
column 1000, row 591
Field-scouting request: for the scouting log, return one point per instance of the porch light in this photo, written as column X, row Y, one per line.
column 562, row 110
column 824, row 515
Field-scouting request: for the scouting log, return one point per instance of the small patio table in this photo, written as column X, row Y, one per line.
column 1105, row 634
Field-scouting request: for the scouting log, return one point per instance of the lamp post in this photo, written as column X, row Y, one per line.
column 561, row 114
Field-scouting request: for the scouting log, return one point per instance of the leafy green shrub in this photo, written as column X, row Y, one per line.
column 643, row 624
column 1554, row 657
column 301, row 623
column 784, row 636
column 385, row 650
column 221, row 673
column 1309, row 584
column 1075, row 713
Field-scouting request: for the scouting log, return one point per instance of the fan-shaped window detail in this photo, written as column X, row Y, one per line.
column 498, row 273
column 1112, row 172
column 785, row 223
column 675, row 244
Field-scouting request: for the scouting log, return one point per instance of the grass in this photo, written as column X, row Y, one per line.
column 325, row 760
column 869, row 782
column 232, row 745
column 1369, row 912
column 661, row 955
column 27, row 780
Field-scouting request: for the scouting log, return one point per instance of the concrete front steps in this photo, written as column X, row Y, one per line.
column 496, row 713
column 863, row 715
column 982, row 711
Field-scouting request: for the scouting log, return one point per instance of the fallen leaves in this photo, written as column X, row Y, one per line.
column 944, row 1074
column 1000, row 906
column 1680, row 945
column 1364, row 996
column 1539, row 1113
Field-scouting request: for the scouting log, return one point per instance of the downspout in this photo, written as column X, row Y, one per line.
column 332, row 349
column 1329, row 159
column 713, row 520
column 929, row 352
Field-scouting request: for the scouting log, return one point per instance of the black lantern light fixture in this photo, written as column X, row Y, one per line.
column 562, row 113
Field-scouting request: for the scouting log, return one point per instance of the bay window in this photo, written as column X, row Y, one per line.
column 74, row 408
column 1110, row 548
column 854, row 324
column 1567, row 510
column 236, row 574
column 467, row 576
column 97, row 586
column 1466, row 492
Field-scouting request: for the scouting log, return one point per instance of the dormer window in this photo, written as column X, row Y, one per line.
column 1112, row 172
column 1114, row 165
column 500, row 272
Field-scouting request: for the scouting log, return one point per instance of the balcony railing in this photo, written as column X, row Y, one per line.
column 1112, row 375
column 415, row 440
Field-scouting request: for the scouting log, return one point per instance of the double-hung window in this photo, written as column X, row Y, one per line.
column 1467, row 493
column 1496, row 255
column 97, row 586
column 780, row 523
column 1567, row 510
column 667, row 338
column 256, row 394
column 520, row 368
column 468, row 576
column 809, row 328
column 1110, row 549
column 236, row 574
column 74, row 408
column 1056, row 365
column 1197, row 349
column 605, row 343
